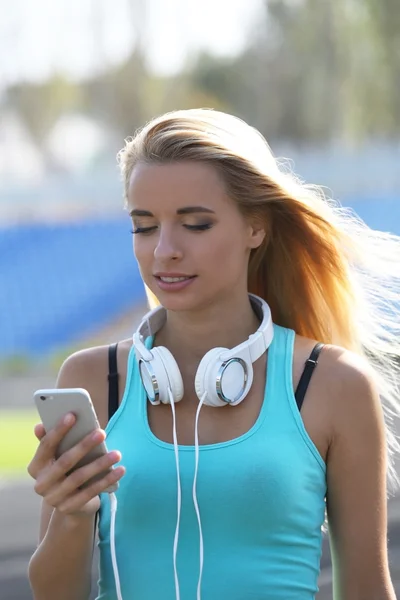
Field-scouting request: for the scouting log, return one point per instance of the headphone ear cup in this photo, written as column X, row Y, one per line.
column 204, row 382
column 168, row 374
column 234, row 379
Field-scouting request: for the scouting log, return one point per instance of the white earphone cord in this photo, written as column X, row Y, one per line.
column 178, row 519
column 196, row 505
column 113, row 506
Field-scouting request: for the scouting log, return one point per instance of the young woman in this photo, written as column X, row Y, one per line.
column 214, row 220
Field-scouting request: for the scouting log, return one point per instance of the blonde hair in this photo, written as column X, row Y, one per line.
column 323, row 272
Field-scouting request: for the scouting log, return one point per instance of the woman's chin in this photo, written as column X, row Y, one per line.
column 177, row 304
column 181, row 302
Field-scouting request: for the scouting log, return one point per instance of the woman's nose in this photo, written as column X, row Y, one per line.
column 167, row 247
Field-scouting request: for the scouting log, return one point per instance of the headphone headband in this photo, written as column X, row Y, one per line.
column 258, row 342
column 249, row 350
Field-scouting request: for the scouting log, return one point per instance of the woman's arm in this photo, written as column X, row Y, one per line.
column 357, row 496
column 61, row 566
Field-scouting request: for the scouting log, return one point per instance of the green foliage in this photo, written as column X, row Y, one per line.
column 15, row 365
column 17, row 440
column 40, row 105
column 312, row 71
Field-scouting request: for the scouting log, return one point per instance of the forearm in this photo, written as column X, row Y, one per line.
column 61, row 566
column 359, row 588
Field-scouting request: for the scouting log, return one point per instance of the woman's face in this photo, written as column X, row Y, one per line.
column 191, row 242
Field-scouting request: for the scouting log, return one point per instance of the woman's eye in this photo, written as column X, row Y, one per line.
column 202, row 227
column 143, row 229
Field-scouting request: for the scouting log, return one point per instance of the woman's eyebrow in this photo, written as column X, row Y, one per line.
column 136, row 212
column 187, row 210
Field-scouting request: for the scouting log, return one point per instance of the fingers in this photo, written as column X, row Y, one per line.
column 58, row 495
column 63, row 491
column 39, row 431
column 48, row 443
column 75, row 502
column 67, row 461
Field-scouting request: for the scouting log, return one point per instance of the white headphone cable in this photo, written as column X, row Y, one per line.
column 113, row 506
column 196, row 505
column 178, row 519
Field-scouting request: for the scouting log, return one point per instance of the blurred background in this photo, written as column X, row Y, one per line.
column 319, row 78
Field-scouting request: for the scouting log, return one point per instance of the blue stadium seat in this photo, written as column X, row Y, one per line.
column 60, row 282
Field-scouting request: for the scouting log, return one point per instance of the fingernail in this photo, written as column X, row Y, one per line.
column 68, row 419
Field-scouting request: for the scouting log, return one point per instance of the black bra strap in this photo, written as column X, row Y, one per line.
column 113, row 395
column 311, row 363
column 96, row 522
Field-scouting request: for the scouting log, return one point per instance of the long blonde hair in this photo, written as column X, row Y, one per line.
column 323, row 272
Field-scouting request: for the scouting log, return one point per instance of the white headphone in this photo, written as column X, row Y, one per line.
column 226, row 375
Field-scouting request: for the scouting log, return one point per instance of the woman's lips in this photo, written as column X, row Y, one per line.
column 167, row 283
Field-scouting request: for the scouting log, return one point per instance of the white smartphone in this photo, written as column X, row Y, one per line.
column 53, row 405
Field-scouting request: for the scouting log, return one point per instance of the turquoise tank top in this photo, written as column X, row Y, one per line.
column 261, row 498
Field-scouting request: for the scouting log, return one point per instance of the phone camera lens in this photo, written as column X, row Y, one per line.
column 43, row 397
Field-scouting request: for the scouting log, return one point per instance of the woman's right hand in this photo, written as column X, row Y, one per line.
column 62, row 491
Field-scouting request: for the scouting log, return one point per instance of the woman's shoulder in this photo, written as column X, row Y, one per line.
column 336, row 365
column 343, row 384
column 353, row 392
column 89, row 363
column 88, row 368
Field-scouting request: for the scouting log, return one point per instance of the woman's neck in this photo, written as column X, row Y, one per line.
column 190, row 335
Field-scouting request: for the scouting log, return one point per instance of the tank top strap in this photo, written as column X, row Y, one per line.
column 283, row 413
column 130, row 408
column 276, row 386
column 281, row 410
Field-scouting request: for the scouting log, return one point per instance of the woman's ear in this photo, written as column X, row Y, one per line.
column 257, row 234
